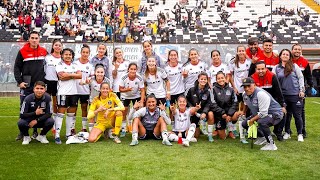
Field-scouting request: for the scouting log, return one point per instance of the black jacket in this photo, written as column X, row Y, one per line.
column 225, row 100
column 195, row 96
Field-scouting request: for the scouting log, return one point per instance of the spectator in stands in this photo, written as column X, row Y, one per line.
column 185, row 24
column 262, row 37
column 189, row 12
column 38, row 21
column 21, row 21
column 273, row 37
column 12, row 23
column 177, row 16
column 129, row 38
column 165, row 37
column 232, row 4
column 146, row 37
column 62, row 5
column 198, row 24
column 4, row 20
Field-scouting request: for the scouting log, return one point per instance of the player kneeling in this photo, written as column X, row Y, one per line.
column 182, row 122
column 108, row 116
column 150, row 122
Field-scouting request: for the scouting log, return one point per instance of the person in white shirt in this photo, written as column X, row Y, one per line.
column 51, row 78
column 239, row 70
column 217, row 66
column 156, row 81
column 119, row 68
column 192, row 68
column 67, row 100
column 83, row 89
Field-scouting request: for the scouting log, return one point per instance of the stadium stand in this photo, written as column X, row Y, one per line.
column 217, row 23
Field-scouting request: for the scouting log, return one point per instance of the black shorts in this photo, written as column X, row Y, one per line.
column 118, row 94
column 183, row 133
column 240, row 97
column 84, row 99
column 52, row 87
column 196, row 120
column 126, row 102
column 174, row 98
column 220, row 123
column 67, row 100
column 149, row 135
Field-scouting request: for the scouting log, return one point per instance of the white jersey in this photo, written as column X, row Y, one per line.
column 175, row 78
column 156, row 84
column 213, row 70
column 240, row 73
column 67, row 87
column 193, row 72
column 87, row 71
column 136, row 84
column 121, row 71
column 181, row 120
column 95, row 87
column 51, row 63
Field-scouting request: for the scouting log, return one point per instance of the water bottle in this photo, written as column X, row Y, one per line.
column 167, row 103
column 180, row 138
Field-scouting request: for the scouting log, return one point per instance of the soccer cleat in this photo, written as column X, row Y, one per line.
column 123, row 133
column 166, row 142
column 300, row 138
column 185, row 143
column 34, row 135
column 26, row 140
column 110, row 134
column 204, row 130
column 231, row 135
column 58, row 140
column 134, row 142
column 235, row 133
column 19, row 137
column 286, row 136
column 42, row 139
column 210, row 139
column 73, row 132
column 244, row 141
column 117, row 140
column 280, row 137
column 269, row 147
column 260, row 141
column 193, row 139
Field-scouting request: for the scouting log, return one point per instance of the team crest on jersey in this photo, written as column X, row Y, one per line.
column 32, row 104
column 204, row 97
column 136, row 83
column 228, row 93
column 247, row 65
column 43, row 104
column 200, row 67
column 87, row 67
column 222, row 69
column 109, row 102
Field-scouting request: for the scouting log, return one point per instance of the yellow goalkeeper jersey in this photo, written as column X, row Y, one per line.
column 110, row 102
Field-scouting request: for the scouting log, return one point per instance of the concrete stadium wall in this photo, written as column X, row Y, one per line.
column 132, row 52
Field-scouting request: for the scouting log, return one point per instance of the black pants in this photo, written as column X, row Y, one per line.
column 294, row 107
column 264, row 124
column 46, row 125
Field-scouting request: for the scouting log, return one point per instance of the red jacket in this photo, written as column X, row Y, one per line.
column 270, row 61
column 21, row 19
column 305, row 68
column 258, row 54
column 27, row 20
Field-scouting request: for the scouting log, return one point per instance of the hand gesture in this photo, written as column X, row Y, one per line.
column 198, row 106
column 39, row 111
column 254, row 59
column 228, row 118
column 137, row 105
column 185, row 73
column 162, row 106
column 23, row 85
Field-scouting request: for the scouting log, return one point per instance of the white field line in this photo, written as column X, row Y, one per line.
column 315, row 102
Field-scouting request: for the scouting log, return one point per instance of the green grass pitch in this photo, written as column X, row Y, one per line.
column 227, row 159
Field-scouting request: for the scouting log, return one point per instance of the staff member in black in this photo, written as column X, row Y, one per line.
column 36, row 111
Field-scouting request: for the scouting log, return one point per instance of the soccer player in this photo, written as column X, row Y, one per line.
column 265, row 110
column 29, row 68
column 225, row 110
column 292, row 84
column 67, row 99
column 108, row 109
column 132, row 90
column 217, row 66
column 83, row 90
column 306, row 71
column 156, row 81
column 150, row 122
column 146, row 54
column 51, row 78
column 181, row 121
column 101, row 58
column 36, row 111
column 200, row 94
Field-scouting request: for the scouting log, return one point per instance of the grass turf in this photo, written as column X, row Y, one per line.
column 227, row 159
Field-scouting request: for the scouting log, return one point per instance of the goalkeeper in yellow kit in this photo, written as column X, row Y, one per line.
column 108, row 116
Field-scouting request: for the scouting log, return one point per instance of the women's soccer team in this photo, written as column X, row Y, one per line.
column 145, row 98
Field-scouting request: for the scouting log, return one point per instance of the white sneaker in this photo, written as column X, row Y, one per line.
column 260, row 141
column 286, row 136
column 26, row 140
column 269, row 147
column 185, row 143
column 300, row 138
column 42, row 139
column 193, row 139
column 166, row 142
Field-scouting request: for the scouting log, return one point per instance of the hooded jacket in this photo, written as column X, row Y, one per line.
column 225, row 99
column 195, row 96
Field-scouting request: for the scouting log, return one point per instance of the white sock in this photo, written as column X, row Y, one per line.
column 124, row 126
column 231, row 126
column 73, row 120
column 91, row 126
column 54, row 116
column 69, row 123
column 203, row 124
column 241, row 133
column 210, row 130
column 134, row 135
column 84, row 122
column 164, row 135
column 191, row 131
column 58, row 124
